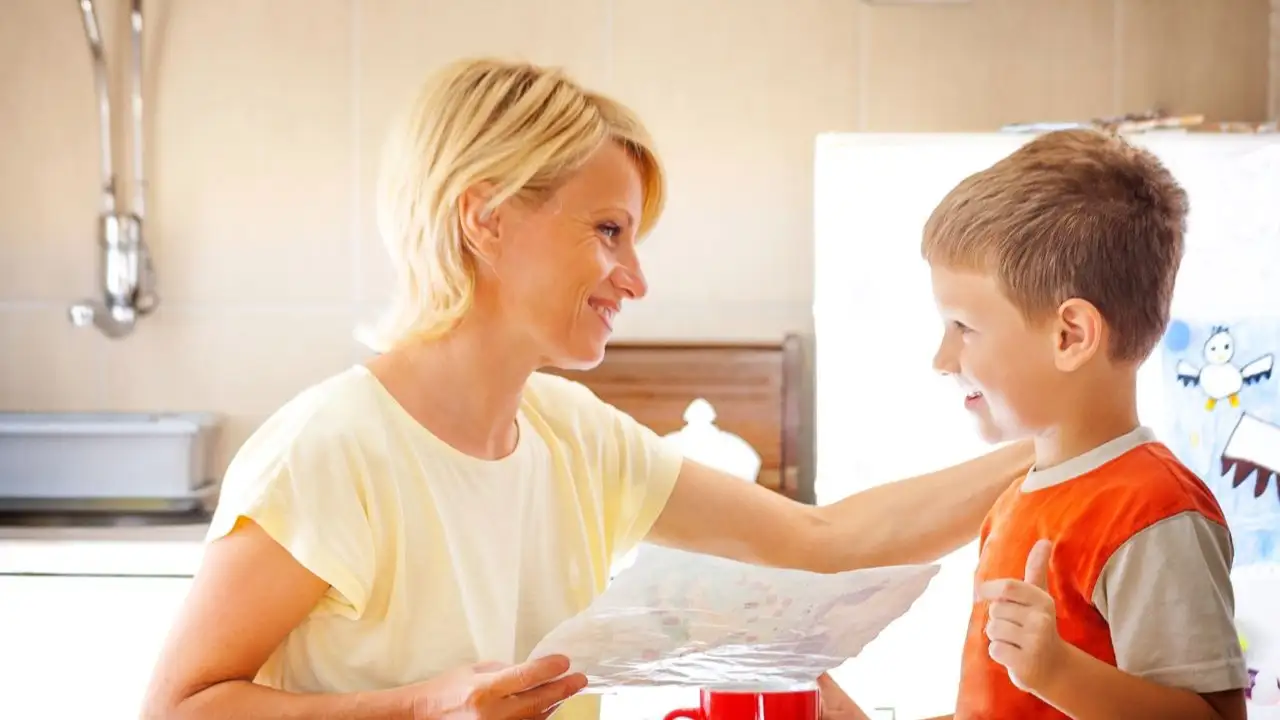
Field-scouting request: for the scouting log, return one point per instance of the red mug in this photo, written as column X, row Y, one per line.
column 725, row 705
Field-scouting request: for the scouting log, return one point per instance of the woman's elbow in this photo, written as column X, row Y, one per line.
column 829, row 542
column 162, row 703
column 160, row 709
column 167, row 699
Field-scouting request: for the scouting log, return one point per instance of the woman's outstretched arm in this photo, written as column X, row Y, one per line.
column 914, row 520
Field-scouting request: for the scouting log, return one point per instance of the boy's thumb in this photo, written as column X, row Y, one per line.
column 1037, row 572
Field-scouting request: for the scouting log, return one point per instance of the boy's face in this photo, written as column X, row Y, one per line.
column 1005, row 366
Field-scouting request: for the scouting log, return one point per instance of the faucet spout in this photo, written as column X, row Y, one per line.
column 128, row 278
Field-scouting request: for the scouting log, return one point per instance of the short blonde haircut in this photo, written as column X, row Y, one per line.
column 1072, row 214
column 521, row 127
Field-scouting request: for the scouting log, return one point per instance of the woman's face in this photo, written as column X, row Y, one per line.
column 558, row 271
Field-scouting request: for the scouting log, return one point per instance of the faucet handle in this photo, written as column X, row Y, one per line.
column 146, row 300
column 82, row 313
column 114, row 322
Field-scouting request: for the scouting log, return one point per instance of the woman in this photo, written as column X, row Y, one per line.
column 447, row 504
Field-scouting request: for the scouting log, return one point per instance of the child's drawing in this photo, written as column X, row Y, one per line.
column 1219, row 377
column 1253, row 451
column 1223, row 422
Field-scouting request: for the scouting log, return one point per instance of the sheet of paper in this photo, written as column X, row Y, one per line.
column 683, row 619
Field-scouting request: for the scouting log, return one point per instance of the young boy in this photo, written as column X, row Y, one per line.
column 1102, row 585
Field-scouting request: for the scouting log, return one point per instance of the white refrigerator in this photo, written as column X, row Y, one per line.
column 882, row 414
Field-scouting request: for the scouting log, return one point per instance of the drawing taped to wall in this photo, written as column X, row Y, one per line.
column 1219, row 377
column 1224, row 421
column 1253, row 450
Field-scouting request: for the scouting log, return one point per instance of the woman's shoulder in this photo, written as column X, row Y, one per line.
column 300, row 477
column 561, row 401
column 545, row 387
column 574, row 414
column 322, row 418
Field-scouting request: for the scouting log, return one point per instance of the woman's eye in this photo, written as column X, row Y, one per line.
column 609, row 230
column 961, row 327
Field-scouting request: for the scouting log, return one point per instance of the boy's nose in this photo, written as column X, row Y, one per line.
column 944, row 360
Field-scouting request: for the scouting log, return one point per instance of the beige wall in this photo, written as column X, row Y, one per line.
column 265, row 117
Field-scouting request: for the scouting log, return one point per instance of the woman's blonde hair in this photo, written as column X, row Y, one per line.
column 520, row 127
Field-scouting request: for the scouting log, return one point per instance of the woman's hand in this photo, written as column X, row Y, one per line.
column 492, row 691
column 836, row 705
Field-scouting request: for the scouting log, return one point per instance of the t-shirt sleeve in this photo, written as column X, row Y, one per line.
column 303, row 490
column 640, row 471
column 1167, row 596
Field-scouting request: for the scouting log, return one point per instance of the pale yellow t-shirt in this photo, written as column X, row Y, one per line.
column 437, row 559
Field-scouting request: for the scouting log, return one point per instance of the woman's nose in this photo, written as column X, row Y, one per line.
column 629, row 278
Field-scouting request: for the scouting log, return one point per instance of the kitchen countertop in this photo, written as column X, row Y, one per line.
column 121, row 547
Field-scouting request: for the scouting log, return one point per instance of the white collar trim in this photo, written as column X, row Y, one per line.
column 1087, row 462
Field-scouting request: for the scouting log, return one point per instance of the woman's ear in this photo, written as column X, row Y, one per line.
column 479, row 223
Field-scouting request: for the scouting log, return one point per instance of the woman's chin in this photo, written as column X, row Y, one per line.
column 581, row 354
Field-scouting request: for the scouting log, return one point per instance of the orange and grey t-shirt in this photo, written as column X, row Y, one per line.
column 1140, row 573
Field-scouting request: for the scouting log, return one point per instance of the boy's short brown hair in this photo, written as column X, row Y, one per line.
column 1073, row 213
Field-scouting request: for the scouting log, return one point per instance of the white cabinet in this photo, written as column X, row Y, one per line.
column 81, row 646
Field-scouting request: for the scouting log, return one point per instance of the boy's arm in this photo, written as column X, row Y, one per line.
column 1083, row 686
column 1166, row 595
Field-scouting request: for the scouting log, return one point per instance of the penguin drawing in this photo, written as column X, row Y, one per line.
column 1219, row 378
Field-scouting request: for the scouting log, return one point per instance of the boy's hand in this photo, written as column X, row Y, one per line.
column 1022, row 623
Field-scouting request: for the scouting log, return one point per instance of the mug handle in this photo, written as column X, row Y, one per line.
column 685, row 713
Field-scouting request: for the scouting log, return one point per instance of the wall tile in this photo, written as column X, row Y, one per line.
column 1190, row 56
column 978, row 66
column 253, row 160
column 734, row 100
column 50, row 172
column 402, row 41
column 237, row 362
column 48, row 364
column 170, row 363
column 266, row 358
column 270, row 357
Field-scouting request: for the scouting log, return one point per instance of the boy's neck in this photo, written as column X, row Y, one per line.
column 1098, row 419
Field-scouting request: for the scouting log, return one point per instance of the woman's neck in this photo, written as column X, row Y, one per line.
column 465, row 388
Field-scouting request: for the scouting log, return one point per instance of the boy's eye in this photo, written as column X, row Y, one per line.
column 961, row 327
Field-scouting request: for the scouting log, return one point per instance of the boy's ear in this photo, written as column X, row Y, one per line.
column 1079, row 334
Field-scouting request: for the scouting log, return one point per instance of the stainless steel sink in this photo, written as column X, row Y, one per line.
column 107, row 462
